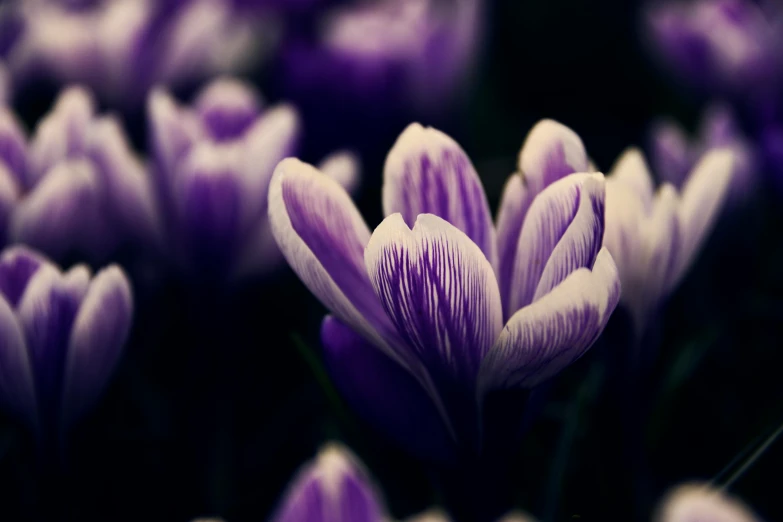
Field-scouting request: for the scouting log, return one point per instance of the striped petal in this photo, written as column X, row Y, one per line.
column 548, row 335
column 514, row 205
column 550, row 152
column 99, row 332
column 427, row 172
column 563, row 231
column 439, row 291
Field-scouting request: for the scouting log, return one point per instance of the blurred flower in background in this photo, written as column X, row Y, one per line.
column 422, row 305
column 212, row 165
column 121, row 48
column 76, row 187
column 702, row 502
column 61, row 335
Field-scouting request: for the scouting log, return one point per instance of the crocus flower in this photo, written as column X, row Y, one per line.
column 61, row 335
column 123, row 47
column 717, row 43
column 673, row 155
column 76, row 186
column 416, row 338
column 213, row 163
column 698, row 502
column 336, row 486
column 391, row 52
column 654, row 236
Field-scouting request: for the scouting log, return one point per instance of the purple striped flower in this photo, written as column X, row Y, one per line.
column 76, row 186
column 405, row 51
column 654, row 236
column 673, row 154
column 121, row 48
column 438, row 306
column 61, row 335
column 702, row 503
column 717, row 43
column 213, row 162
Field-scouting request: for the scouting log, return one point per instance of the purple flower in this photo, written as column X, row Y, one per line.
column 416, row 338
column 61, row 335
column 697, row 502
column 673, row 155
column 213, row 162
column 654, row 237
column 123, row 47
column 717, row 43
column 76, row 186
column 408, row 51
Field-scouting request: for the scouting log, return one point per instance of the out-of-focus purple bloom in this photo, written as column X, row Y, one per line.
column 76, row 186
column 701, row 503
column 123, row 47
column 403, row 51
column 654, row 236
column 436, row 515
column 5, row 85
column 61, row 335
column 213, row 162
column 673, row 154
column 425, row 307
column 717, row 43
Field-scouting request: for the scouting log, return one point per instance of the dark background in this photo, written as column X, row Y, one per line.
column 222, row 396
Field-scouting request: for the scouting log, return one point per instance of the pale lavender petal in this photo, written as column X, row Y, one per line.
column 551, row 151
column 427, row 172
column 16, row 377
column 702, row 199
column 631, row 169
column 323, row 237
column 9, row 195
column 671, row 155
column 127, row 187
column 53, row 217
column 563, row 231
column 228, row 107
column 333, row 488
column 702, row 502
column 431, row 515
column 17, row 265
column 97, row 339
column 61, row 134
column 548, row 335
column 517, row 516
column 343, row 167
column 514, row 204
column 439, row 291
column 13, row 146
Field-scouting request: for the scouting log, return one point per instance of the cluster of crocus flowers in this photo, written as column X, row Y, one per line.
column 654, row 236
column 444, row 306
column 61, row 335
column 123, row 47
column 75, row 187
column 212, row 164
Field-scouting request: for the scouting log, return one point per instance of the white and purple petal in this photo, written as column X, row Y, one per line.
column 439, row 290
column 17, row 388
column 550, row 334
column 551, row 151
column 17, row 265
column 631, row 169
column 514, row 204
column 427, row 172
column 343, row 167
column 13, row 146
column 227, row 107
column 9, row 195
column 670, row 152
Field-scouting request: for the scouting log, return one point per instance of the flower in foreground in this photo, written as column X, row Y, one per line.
column 697, row 502
column 213, row 162
column 76, row 186
column 335, row 486
column 61, row 335
column 416, row 339
column 654, row 237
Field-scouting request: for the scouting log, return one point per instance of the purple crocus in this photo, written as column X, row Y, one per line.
column 701, row 502
column 416, row 339
column 398, row 51
column 76, row 186
column 213, row 162
column 673, row 155
column 728, row 44
column 61, row 335
column 123, row 47
column 654, row 236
